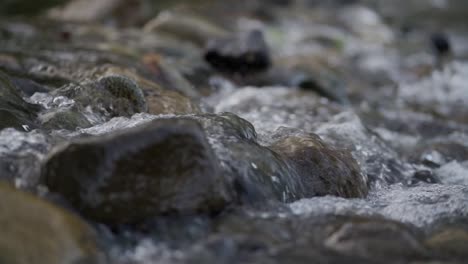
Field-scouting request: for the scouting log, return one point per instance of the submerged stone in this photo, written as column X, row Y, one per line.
column 35, row 231
column 163, row 167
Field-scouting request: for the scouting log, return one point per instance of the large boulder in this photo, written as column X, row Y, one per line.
column 163, row 167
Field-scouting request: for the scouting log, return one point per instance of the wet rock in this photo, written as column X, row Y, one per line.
column 436, row 154
column 244, row 54
column 29, row 87
column 14, row 110
column 257, row 173
column 330, row 238
column 170, row 102
column 185, row 26
column 106, row 10
column 35, row 231
column 441, row 44
column 377, row 160
column 325, row 170
column 122, row 87
column 110, row 96
column 160, row 100
column 424, row 176
column 366, row 23
column 381, row 239
column 449, row 243
column 324, row 85
column 15, row 7
column 129, row 177
column 69, row 119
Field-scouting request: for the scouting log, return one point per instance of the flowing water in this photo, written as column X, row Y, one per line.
column 362, row 75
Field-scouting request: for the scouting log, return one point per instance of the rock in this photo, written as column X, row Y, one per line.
column 327, row 239
column 123, row 87
column 86, row 10
column 35, row 231
column 441, row 44
column 170, row 102
column 325, row 85
column 425, row 176
column 257, row 173
column 129, row 177
column 24, row 7
column 376, row 239
column 185, row 26
column 110, row 96
column 436, row 154
column 325, row 170
column 365, row 23
column 14, row 110
column 377, row 160
column 244, row 54
column 158, row 99
column 449, row 243
column 69, row 119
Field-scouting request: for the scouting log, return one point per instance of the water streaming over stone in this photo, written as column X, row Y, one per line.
column 221, row 132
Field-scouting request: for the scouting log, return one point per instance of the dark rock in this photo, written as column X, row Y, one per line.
column 29, row 87
column 17, row 7
column 163, row 167
column 424, row 176
column 35, row 231
column 441, row 44
column 245, row 54
column 14, row 110
column 325, row 85
column 324, row 170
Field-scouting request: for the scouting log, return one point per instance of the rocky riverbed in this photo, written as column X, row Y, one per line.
column 286, row 131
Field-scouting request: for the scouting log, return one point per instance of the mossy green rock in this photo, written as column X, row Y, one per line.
column 33, row 231
column 163, row 167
